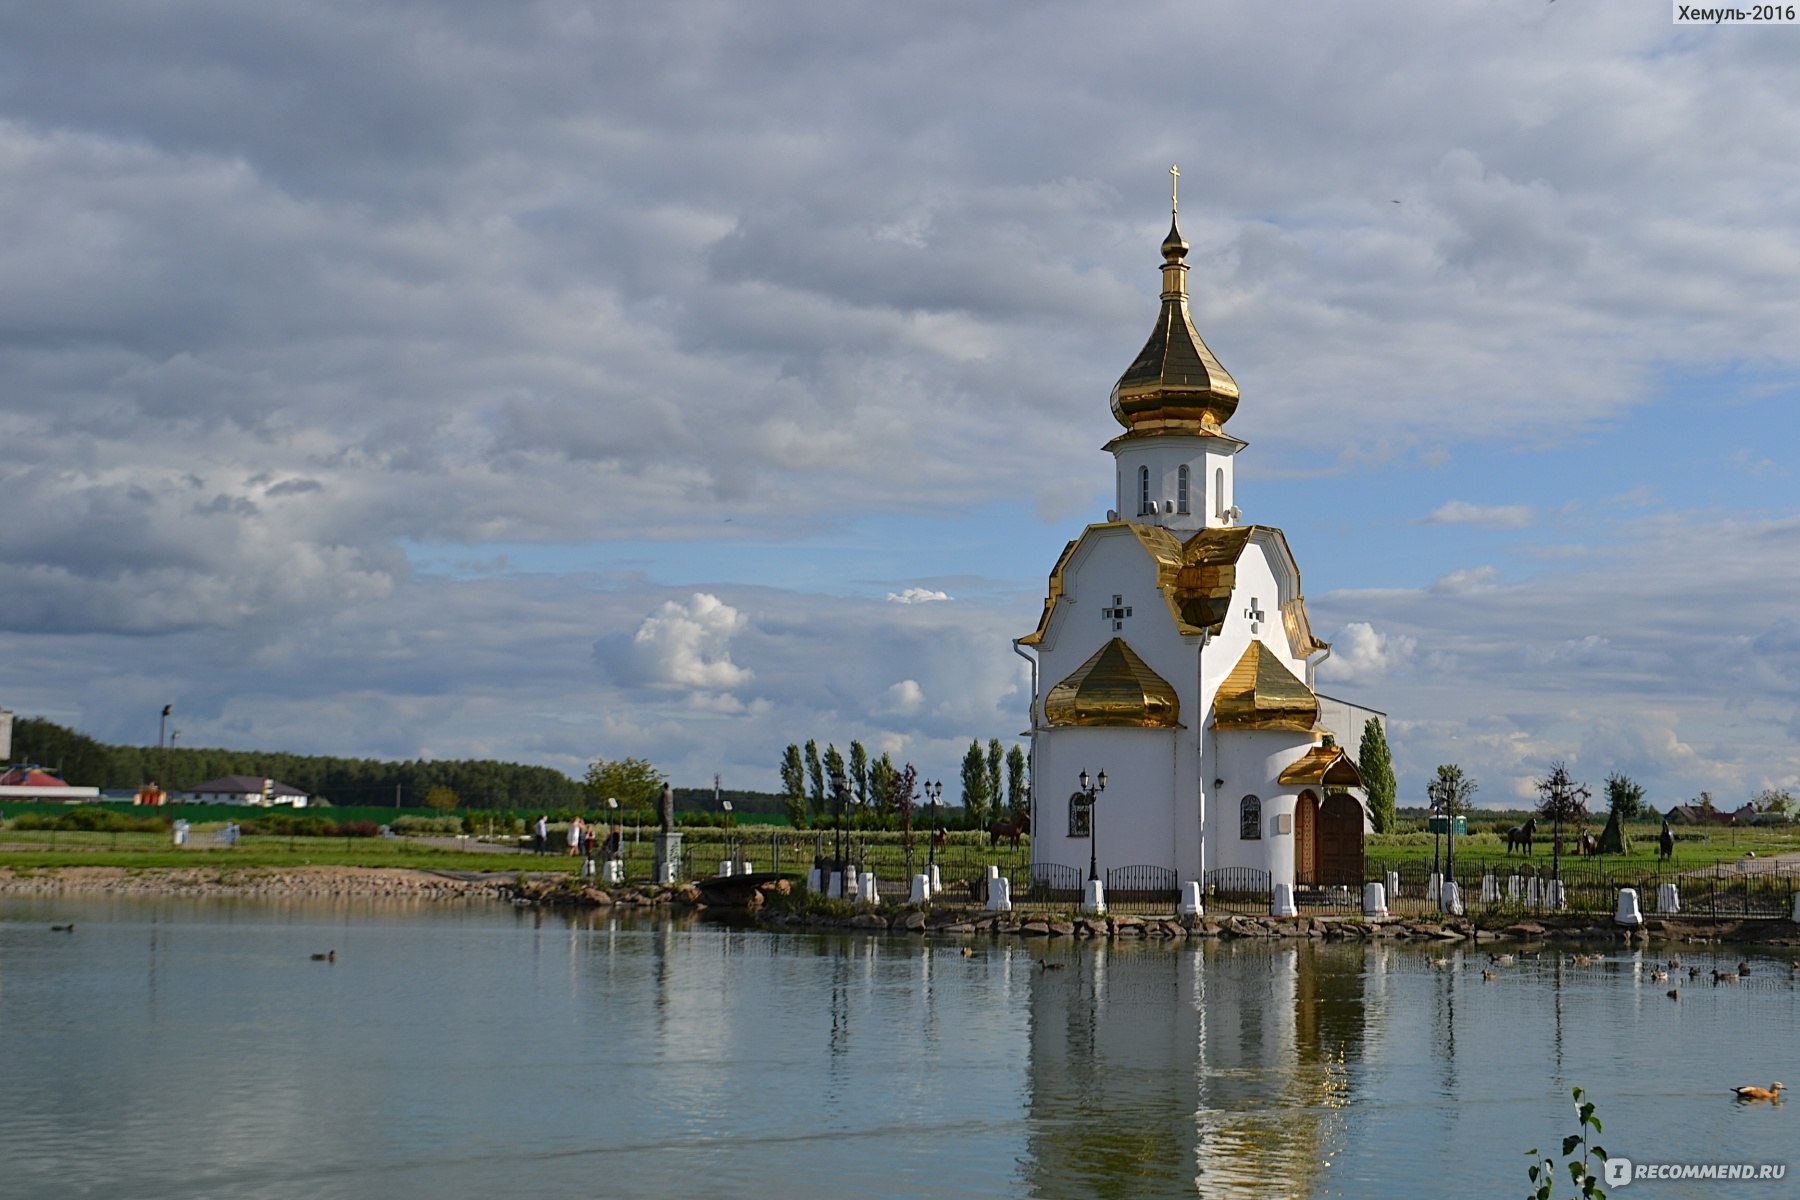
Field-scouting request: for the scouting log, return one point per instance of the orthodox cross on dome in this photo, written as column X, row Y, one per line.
column 1174, row 188
column 1117, row 613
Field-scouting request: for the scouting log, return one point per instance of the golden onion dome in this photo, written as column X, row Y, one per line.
column 1114, row 687
column 1261, row 693
column 1175, row 384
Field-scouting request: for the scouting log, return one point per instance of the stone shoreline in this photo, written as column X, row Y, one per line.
column 772, row 909
column 220, row 882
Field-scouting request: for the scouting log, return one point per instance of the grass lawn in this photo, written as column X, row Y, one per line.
column 1694, row 846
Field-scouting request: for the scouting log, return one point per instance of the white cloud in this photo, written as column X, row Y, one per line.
column 1360, row 654
column 1470, row 579
column 689, row 646
column 906, row 697
column 1493, row 516
column 916, row 595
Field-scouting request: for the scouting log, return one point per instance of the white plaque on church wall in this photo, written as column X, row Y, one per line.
column 1284, row 823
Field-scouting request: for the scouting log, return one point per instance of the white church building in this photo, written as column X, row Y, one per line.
column 1174, row 654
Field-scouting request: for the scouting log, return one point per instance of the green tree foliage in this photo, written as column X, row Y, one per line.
column 996, row 774
column 1377, row 767
column 443, row 799
column 834, row 771
column 974, row 785
column 480, row 783
column 881, row 783
column 637, row 785
column 859, row 774
column 1624, row 797
column 817, row 803
column 1778, row 801
column 793, row 786
column 1561, row 801
column 1015, row 780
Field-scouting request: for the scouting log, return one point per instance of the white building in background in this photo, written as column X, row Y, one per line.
column 1174, row 653
column 246, row 789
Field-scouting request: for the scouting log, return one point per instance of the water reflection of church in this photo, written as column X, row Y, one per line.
column 1174, row 652
column 1224, row 1082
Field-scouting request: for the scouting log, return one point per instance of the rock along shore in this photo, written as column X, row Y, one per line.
column 773, row 908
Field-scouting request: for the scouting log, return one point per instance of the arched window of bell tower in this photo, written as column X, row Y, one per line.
column 1181, row 489
column 1143, row 491
column 1219, row 502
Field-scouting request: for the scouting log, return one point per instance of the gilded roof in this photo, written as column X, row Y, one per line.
column 1196, row 579
column 1323, row 766
column 1175, row 384
column 1261, row 693
column 1114, row 687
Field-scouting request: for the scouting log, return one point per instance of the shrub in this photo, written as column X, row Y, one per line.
column 416, row 826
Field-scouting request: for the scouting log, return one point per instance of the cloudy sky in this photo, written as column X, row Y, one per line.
column 549, row 381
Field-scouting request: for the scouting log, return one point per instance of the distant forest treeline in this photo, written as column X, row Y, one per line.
column 478, row 783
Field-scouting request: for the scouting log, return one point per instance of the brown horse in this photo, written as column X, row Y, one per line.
column 1519, row 837
column 1010, row 830
column 1665, row 843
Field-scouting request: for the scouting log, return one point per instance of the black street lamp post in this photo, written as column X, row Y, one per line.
column 1090, row 794
column 932, row 791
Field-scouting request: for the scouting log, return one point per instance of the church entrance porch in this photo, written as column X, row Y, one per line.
column 1328, row 841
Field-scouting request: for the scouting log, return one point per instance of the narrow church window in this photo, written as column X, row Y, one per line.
column 1081, row 816
column 1143, row 490
column 1181, row 490
column 1250, row 819
column 1219, row 492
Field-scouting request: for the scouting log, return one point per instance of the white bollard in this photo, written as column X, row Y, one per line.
column 1452, row 897
column 1515, row 889
column 1190, row 900
column 999, row 895
column 869, row 894
column 1374, row 900
column 1534, row 892
column 725, row 868
column 1628, row 913
column 937, row 881
column 814, row 880
column 993, row 872
column 749, row 868
column 1094, row 902
column 1393, row 886
column 921, row 890
column 614, row 871
column 1283, row 904
column 667, row 873
column 1554, row 895
column 1490, row 890
column 1668, row 899
column 835, row 890
column 1434, row 888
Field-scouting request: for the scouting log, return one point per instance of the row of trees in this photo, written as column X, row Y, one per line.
column 994, row 784
column 477, row 783
column 984, row 773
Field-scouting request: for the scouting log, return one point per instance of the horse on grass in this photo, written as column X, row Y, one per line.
column 1665, row 844
column 1519, row 837
column 1010, row 830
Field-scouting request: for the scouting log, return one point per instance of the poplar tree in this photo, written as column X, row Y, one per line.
column 1377, row 768
column 1015, row 780
column 815, row 771
column 793, row 786
column 974, row 785
column 996, row 769
column 859, row 774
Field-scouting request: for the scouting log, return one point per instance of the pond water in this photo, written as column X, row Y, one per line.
column 195, row 1049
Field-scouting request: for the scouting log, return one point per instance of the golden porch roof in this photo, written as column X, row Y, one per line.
column 1261, row 693
column 1175, row 384
column 1323, row 766
column 1114, row 687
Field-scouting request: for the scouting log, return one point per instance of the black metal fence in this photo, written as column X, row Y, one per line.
column 1743, row 890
